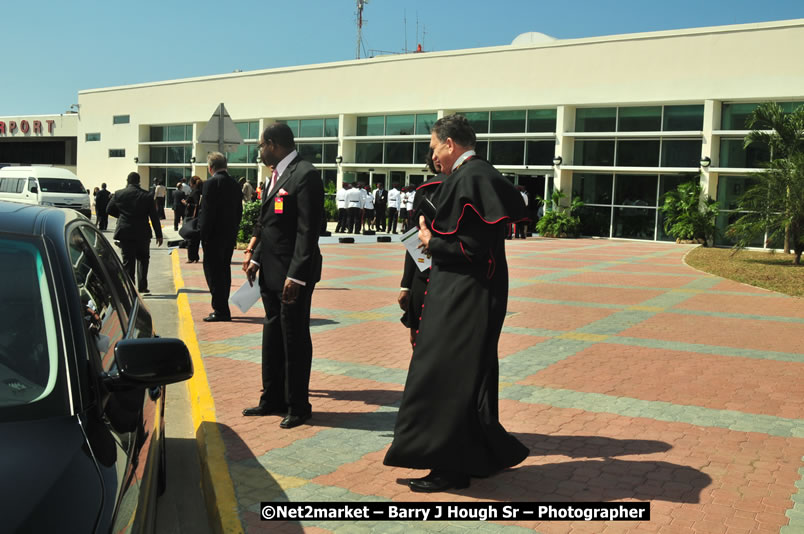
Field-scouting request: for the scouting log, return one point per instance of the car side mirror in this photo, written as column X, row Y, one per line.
column 34, row 189
column 148, row 363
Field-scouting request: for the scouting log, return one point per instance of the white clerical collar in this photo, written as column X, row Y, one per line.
column 463, row 157
column 282, row 165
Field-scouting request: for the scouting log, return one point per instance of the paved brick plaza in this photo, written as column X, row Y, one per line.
column 629, row 375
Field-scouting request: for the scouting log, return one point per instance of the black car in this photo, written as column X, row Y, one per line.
column 82, row 381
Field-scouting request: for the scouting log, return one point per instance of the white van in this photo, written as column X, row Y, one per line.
column 46, row 186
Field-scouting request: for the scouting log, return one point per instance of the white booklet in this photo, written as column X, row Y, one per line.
column 246, row 296
column 411, row 241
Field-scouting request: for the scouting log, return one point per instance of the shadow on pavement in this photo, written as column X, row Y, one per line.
column 252, row 483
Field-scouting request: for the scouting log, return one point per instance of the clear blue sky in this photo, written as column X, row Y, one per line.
column 54, row 48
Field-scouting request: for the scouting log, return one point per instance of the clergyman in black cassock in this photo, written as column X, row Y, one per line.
column 448, row 420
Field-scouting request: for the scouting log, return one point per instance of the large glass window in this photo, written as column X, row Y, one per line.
column 482, row 149
column 595, row 119
column 478, row 120
column 734, row 116
column 368, row 152
column 421, row 150
column 732, row 154
column 331, row 127
column 176, row 132
column 640, row 119
column 508, row 121
column 683, row 118
column 507, row 152
column 399, row 124
column 634, row 223
column 594, row 152
column 638, row 153
column 635, row 189
column 541, row 152
column 424, row 122
column 330, row 152
column 731, row 188
column 311, row 127
column 681, row 152
column 245, row 153
column 593, row 189
column 249, row 129
column 541, row 120
column 371, row 125
column 595, row 221
column 399, row 152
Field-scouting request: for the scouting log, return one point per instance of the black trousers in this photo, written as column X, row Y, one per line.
column 403, row 218
column 218, row 272
column 287, row 351
column 341, row 227
column 160, row 207
column 379, row 209
column 192, row 249
column 178, row 215
column 353, row 226
column 136, row 257
column 103, row 220
column 392, row 215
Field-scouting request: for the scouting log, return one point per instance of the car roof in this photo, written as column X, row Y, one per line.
column 34, row 220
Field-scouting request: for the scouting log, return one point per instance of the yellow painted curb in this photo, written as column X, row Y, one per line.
column 216, row 481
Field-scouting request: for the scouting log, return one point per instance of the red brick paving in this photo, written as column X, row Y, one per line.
column 553, row 316
column 719, row 382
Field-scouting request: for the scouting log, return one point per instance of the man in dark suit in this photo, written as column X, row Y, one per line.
column 380, row 203
column 178, row 205
column 221, row 209
column 134, row 206
column 101, row 205
column 287, row 258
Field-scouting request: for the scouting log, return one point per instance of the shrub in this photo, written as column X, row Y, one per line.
column 251, row 212
column 685, row 217
column 559, row 221
column 330, row 205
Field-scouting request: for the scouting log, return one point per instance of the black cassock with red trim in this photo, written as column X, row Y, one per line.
column 448, row 418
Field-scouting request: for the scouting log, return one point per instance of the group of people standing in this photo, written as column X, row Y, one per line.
column 448, row 420
column 380, row 210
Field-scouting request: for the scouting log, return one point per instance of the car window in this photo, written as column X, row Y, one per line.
column 119, row 278
column 61, row 185
column 102, row 319
column 28, row 334
column 31, row 184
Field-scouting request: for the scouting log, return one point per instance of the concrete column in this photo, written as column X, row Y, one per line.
column 565, row 148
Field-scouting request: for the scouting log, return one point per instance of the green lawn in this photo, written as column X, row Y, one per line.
column 762, row 269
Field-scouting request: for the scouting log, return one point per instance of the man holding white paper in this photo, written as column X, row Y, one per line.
column 287, row 262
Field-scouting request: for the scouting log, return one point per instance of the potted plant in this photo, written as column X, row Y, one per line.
column 559, row 221
column 687, row 216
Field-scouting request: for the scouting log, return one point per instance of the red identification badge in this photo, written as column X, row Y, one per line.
column 279, row 204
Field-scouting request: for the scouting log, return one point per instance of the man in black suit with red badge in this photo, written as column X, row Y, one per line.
column 287, row 261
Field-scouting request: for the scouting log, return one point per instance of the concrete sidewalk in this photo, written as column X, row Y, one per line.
column 629, row 375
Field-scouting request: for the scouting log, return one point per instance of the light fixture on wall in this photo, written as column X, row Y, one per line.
column 192, row 159
column 338, row 159
column 705, row 162
column 136, row 159
column 557, row 161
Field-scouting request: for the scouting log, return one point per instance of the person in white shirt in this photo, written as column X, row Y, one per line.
column 521, row 226
column 160, row 195
column 340, row 199
column 368, row 209
column 353, row 207
column 403, row 209
column 411, row 196
column 393, row 208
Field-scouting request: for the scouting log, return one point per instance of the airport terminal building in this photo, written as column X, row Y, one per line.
column 617, row 120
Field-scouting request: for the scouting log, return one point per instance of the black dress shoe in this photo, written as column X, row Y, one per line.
column 291, row 420
column 265, row 410
column 439, row 481
column 216, row 318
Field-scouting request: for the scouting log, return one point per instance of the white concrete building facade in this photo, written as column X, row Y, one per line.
column 616, row 120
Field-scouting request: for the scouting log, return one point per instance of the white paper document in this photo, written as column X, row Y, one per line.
column 411, row 241
column 245, row 297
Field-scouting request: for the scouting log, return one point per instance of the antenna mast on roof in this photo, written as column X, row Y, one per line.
column 360, row 4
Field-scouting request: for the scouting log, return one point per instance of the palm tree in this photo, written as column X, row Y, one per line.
column 776, row 202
